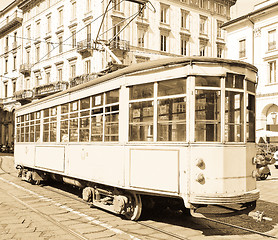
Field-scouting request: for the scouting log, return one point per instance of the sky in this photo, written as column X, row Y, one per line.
column 242, row 6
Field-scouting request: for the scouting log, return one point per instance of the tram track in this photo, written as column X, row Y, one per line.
column 160, row 230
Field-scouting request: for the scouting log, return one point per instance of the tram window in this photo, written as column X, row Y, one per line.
column 85, row 103
column 207, row 81
column 207, row 115
column 50, row 125
column 234, row 81
column 97, row 128
column 141, row 121
column 112, row 97
column 251, row 118
column 37, row 126
column 171, row 125
column 97, row 101
column 32, row 127
column 27, row 128
column 141, row 91
column 73, row 130
column 172, row 87
column 84, row 129
column 234, row 107
column 251, row 87
column 65, row 108
column 64, row 131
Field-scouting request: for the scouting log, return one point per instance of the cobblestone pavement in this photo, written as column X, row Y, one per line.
column 31, row 212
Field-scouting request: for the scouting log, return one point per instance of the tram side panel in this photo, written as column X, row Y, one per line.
column 220, row 173
column 103, row 164
column 24, row 155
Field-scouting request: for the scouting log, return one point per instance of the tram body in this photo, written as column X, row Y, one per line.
column 181, row 128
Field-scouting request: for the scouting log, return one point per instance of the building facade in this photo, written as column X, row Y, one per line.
column 252, row 38
column 62, row 43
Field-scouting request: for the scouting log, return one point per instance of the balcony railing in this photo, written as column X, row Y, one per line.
column 25, row 69
column 24, row 96
column 51, row 88
column 123, row 45
column 85, row 46
column 74, row 81
column 11, row 21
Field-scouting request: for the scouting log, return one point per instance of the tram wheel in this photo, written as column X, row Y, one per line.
column 133, row 207
column 263, row 177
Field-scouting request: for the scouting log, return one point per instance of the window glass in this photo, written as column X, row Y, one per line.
column 234, row 106
column 73, row 130
column 251, row 87
column 171, row 125
column 85, row 103
column 65, row 108
column 37, row 126
column 207, row 81
column 207, row 115
column 64, row 131
column 172, row 87
column 141, row 121
column 97, row 127
column 234, row 81
column 112, row 96
column 250, row 121
column 141, row 91
column 84, row 129
column 112, row 127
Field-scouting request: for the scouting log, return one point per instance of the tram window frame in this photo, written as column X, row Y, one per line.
column 149, row 120
column 234, row 116
column 208, row 130
column 84, row 121
column 64, row 123
column 97, row 118
column 170, row 128
column 251, row 112
column 50, row 124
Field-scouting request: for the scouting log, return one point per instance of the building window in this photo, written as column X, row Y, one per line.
column 6, row 65
column 184, row 46
column 28, row 57
column 117, row 5
column 48, row 24
column 38, row 29
column 48, row 49
column 203, row 25
column 272, row 40
column 202, row 48
column 219, row 8
column 73, row 10
column 219, row 50
column 14, row 86
column 60, row 74
column 163, row 43
column 6, row 89
column 141, row 37
column 242, row 48
column 272, row 71
column 88, row 5
column 14, row 63
column 61, row 16
column 88, row 67
column 184, row 19
column 47, row 78
column 15, row 40
column 203, row 4
column 28, row 34
column 219, row 30
column 60, row 44
column 73, row 70
column 73, row 39
column 88, row 28
column 37, row 53
column 164, row 13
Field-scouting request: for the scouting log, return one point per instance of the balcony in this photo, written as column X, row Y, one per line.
column 85, row 47
column 49, row 89
column 74, row 81
column 122, row 45
column 11, row 21
column 24, row 96
column 25, row 69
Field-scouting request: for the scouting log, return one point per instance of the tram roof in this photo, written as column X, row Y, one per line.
column 147, row 66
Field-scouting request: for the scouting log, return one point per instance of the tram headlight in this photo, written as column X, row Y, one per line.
column 200, row 178
column 200, row 163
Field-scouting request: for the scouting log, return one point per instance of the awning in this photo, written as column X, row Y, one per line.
column 266, row 133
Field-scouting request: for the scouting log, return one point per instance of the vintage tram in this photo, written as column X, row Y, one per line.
column 178, row 128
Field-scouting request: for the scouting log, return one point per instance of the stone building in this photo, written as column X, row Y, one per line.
column 252, row 38
column 63, row 43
